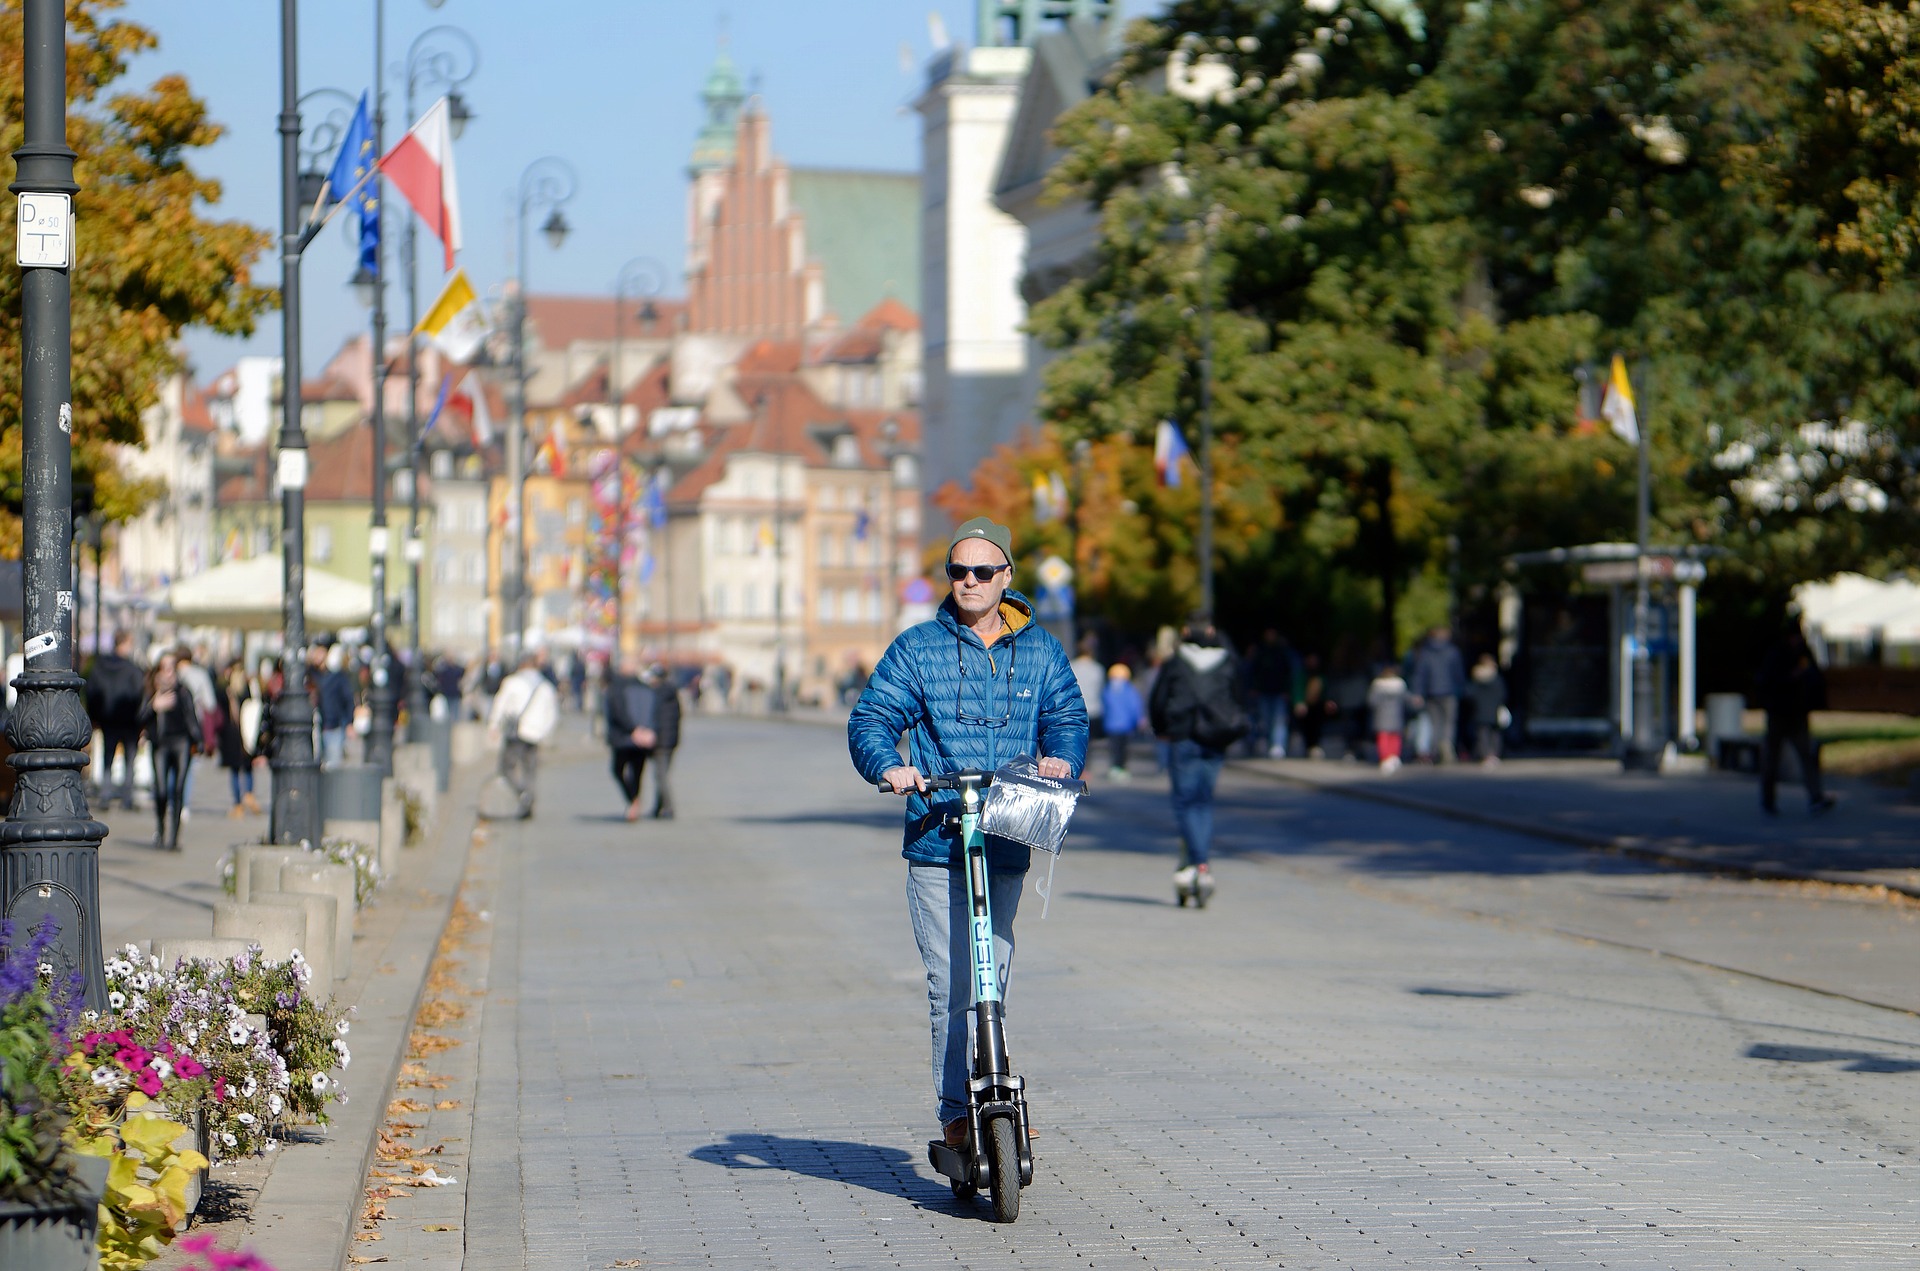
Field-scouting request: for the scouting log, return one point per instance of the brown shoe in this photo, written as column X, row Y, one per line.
column 250, row 803
column 955, row 1133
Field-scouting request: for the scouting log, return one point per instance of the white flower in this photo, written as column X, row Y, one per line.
column 45, row 969
column 136, row 1004
column 90, row 1016
column 339, row 1097
column 320, row 1082
column 229, row 1140
column 117, row 1000
column 274, row 1104
column 237, row 1034
column 341, row 1028
column 103, row 1076
column 245, row 1118
column 133, row 953
column 296, row 959
column 269, row 1145
column 340, row 1049
column 251, row 1086
column 161, row 1066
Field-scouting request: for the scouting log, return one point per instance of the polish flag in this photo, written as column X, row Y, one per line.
column 421, row 168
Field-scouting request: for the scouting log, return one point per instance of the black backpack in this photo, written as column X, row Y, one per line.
column 1219, row 719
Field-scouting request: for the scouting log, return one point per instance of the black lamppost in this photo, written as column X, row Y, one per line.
column 295, row 815
column 548, row 183
column 49, row 844
column 642, row 277
column 441, row 58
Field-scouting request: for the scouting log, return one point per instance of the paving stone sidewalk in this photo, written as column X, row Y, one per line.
column 1703, row 820
column 702, row 1045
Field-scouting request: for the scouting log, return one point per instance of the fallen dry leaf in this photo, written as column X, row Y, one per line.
column 625, row 1262
column 367, row 1235
column 354, row 1257
column 440, row 1226
column 446, row 1105
column 405, row 1105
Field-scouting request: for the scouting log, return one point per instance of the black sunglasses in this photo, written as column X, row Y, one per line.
column 982, row 573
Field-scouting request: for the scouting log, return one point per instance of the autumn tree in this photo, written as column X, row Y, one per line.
column 149, row 261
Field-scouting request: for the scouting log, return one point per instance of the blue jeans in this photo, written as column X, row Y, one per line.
column 333, row 747
column 1276, row 714
column 937, row 903
column 1192, row 772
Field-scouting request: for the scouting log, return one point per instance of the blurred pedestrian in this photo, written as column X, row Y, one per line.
column 1488, row 694
column 666, row 729
column 1271, row 673
column 172, row 726
column 115, row 690
column 1791, row 687
column 630, row 735
column 1314, row 708
column 1092, row 679
column 1387, row 702
column 336, row 704
column 524, row 714
column 233, row 692
column 1439, row 678
column 1124, row 712
column 1195, row 707
column 198, row 680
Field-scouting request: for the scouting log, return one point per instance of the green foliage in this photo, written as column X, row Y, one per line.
column 150, row 262
column 1407, row 225
column 145, row 1206
column 33, row 1112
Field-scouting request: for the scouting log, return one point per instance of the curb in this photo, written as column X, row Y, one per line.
column 1633, row 845
column 308, row 1209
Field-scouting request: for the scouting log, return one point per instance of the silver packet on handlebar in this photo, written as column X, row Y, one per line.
column 1028, row 808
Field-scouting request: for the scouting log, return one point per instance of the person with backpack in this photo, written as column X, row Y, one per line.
column 525, row 712
column 115, row 689
column 1196, row 709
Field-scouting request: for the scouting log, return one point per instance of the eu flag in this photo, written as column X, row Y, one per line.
column 351, row 167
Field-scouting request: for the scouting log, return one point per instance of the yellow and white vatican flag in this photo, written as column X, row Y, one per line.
column 456, row 325
column 1616, row 407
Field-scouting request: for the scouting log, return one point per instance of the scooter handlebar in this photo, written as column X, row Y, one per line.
column 956, row 780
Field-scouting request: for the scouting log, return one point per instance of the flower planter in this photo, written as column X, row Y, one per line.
column 196, row 1138
column 56, row 1237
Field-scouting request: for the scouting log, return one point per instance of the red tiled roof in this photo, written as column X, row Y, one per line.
column 560, row 320
column 194, row 415
column 889, row 314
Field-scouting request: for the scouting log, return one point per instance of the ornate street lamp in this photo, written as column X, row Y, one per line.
column 548, row 183
column 49, row 845
column 640, row 277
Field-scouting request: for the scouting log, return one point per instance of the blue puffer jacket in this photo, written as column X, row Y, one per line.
column 963, row 705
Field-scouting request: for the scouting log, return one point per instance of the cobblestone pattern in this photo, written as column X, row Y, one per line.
column 711, row 1054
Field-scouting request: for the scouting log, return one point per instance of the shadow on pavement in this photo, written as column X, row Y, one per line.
column 882, row 1169
column 1489, row 995
column 1849, row 1060
column 1113, row 898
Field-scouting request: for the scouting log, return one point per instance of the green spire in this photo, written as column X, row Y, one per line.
column 1017, row 22
column 723, row 94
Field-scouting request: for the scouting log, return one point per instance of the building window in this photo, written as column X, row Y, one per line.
column 442, row 567
column 477, row 568
column 322, row 550
column 576, row 512
column 476, row 518
column 719, row 601
column 446, row 619
column 826, row 606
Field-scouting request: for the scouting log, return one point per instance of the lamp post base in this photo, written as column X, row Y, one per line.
column 1642, row 758
column 296, row 816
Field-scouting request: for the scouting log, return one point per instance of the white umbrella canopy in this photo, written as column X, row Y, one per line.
column 246, row 595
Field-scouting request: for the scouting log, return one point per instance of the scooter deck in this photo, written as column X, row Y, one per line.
column 949, row 1162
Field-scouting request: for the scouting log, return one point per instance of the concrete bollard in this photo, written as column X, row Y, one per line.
column 322, row 914
column 278, row 924
column 263, row 869
column 469, row 742
column 393, row 826
column 323, row 878
column 173, row 952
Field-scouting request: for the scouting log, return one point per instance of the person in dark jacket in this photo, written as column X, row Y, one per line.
column 172, row 725
column 1197, row 690
column 666, row 737
column 1791, row 687
column 975, row 686
column 115, row 690
column 1439, row 678
column 1487, row 693
column 630, row 735
column 336, row 704
column 232, row 691
column 1271, row 672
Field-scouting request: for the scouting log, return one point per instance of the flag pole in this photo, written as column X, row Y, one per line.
column 1643, row 748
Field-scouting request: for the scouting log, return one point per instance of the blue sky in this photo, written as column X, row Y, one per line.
column 612, row 86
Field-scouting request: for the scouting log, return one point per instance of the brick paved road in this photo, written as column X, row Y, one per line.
column 703, row 1045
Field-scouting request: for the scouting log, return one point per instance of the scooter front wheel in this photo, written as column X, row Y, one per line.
column 1004, row 1159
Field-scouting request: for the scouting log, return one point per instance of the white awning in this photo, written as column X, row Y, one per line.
column 246, row 595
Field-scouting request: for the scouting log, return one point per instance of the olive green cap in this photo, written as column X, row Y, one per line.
column 983, row 527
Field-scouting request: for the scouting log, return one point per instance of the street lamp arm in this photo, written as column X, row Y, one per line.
column 547, row 182
column 436, row 57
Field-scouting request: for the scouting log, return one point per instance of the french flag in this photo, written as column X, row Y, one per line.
column 421, row 168
column 1169, row 448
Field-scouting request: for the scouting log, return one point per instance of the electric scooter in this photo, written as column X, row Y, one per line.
column 998, row 1154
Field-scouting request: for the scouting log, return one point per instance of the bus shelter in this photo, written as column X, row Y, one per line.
column 1579, row 643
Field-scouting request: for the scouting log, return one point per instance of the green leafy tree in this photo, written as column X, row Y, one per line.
column 149, row 261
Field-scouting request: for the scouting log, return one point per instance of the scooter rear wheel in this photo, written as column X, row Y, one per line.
column 1004, row 1159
